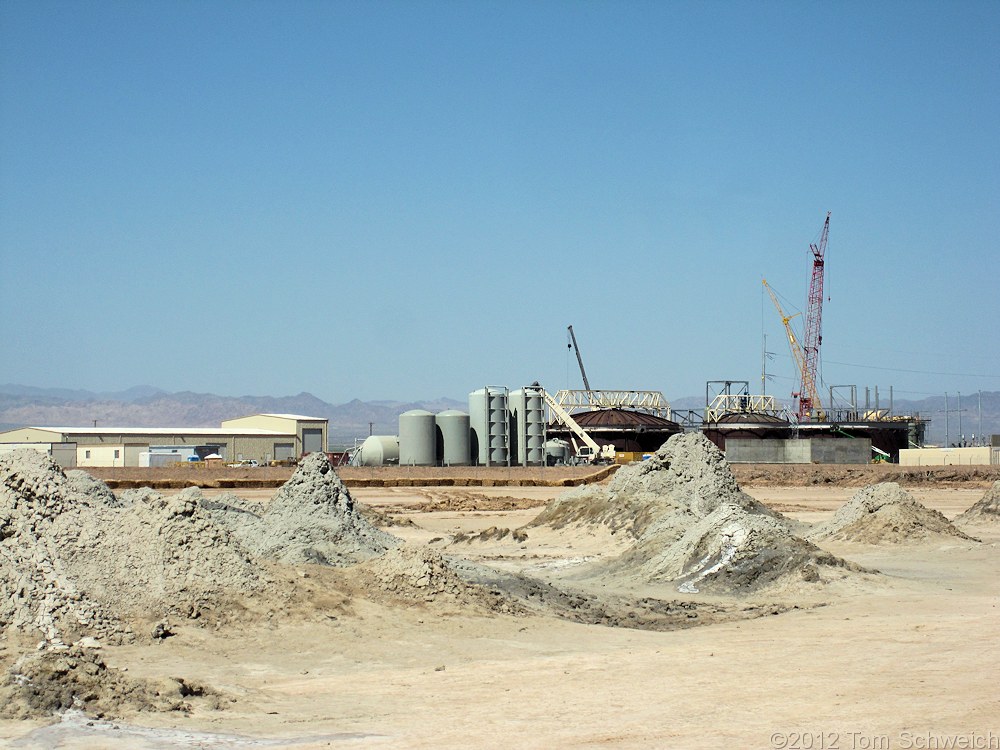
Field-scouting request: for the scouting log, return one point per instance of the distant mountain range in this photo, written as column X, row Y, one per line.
column 145, row 406
column 148, row 406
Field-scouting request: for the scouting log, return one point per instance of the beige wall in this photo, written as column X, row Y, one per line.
column 261, row 422
column 31, row 435
column 945, row 456
column 282, row 424
column 100, row 455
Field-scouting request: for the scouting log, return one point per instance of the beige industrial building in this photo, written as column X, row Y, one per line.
column 260, row 437
column 979, row 456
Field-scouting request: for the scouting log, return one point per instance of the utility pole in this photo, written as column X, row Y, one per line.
column 947, row 431
column 763, row 366
column 980, row 416
column 961, row 437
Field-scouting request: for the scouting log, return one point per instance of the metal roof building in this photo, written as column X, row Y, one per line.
column 262, row 437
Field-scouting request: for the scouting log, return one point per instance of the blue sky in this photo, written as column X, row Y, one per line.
column 414, row 199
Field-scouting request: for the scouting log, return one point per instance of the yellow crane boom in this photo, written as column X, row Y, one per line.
column 793, row 343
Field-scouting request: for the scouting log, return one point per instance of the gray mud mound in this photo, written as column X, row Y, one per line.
column 41, row 518
column 138, row 494
column 419, row 574
column 71, row 568
column 986, row 510
column 686, row 479
column 885, row 513
column 691, row 525
column 311, row 519
column 164, row 554
column 730, row 550
column 227, row 505
column 43, row 683
column 94, row 491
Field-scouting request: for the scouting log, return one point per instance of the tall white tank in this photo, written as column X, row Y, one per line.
column 453, row 442
column 378, row 450
column 488, row 421
column 417, row 438
column 527, row 426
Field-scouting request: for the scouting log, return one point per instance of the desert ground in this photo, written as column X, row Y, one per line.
column 903, row 658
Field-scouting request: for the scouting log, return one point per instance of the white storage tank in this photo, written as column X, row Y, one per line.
column 417, row 438
column 452, row 438
column 378, row 450
column 557, row 452
column 527, row 426
column 488, row 421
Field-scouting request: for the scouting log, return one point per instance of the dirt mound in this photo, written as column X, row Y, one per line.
column 163, row 554
column 885, row 513
column 226, row 503
column 74, row 566
column 311, row 519
column 79, row 567
column 137, row 494
column 42, row 683
column 91, row 491
column 686, row 479
column 418, row 574
column 986, row 510
column 692, row 525
column 730, row 550
column 41, row 518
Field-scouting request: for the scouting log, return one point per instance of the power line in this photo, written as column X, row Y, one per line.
column 919, row 372
column 900, row 369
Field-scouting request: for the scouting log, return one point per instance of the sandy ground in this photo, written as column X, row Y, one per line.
column 911, row 660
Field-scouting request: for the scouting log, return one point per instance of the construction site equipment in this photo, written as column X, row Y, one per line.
column 724, row 397
column 650, row 402
column 573, row 345
column 814, row 325
column 590, row 451
column 793, row 345
column 806, row 355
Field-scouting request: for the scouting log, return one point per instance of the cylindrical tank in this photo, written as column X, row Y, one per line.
column 417, row 438
column 556, row 452
column 453, row 438
column 488, row 420
column 527, row 406
column 378, row 450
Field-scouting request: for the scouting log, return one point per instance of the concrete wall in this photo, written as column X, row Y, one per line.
column 946, row 456
column 803, row 451
column 841, row 451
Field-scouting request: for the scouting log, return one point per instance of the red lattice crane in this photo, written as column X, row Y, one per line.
column 808, row 395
